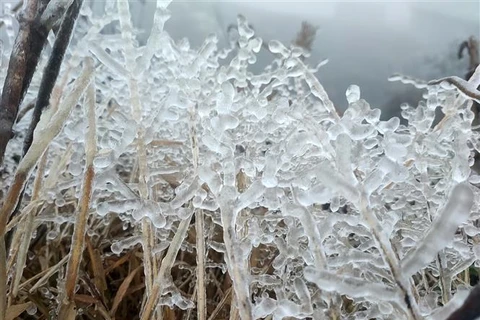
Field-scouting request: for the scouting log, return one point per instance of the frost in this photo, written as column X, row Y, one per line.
column 305, row 212
column 440, row 235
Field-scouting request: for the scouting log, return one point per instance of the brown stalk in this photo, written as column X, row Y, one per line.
column 122, row 290
column 23, row 61
column 78, row 238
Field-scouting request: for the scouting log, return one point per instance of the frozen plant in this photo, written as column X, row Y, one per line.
column 229, row 193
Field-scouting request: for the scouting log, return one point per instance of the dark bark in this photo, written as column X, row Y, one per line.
column 28, row 46
column 49, row 77
column 52, row 69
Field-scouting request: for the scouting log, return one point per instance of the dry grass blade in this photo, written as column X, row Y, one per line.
column 97, row 267
column 13, row 312
column 221, row 304
column 123, row 290
column 165, row 267
column 200, row 239
column 119, row 262
column 28, row 227
column 44, row 276
column 78, row 238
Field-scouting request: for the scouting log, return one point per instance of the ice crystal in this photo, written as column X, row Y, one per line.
column 314, row 212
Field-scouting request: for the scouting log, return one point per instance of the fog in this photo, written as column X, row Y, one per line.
column 365, row 42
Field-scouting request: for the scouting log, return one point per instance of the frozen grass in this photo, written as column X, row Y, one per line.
column 169, row 182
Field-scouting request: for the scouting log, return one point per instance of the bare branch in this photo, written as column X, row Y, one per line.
column 24, row 58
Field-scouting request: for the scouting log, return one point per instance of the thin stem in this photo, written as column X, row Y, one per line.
column 165, row 267
column 148, row 231
column 200, row 239
column 3, row 282
column 80, row 228
column 390, row 259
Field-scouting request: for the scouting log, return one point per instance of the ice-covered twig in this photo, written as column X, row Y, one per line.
column 389, row 256
column 440, row 234
column 165, row 267
column 467, row 88
column 353, row 287
column 136, row 111
column 417, row 83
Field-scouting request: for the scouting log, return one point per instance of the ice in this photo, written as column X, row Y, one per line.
column 350, row 286
column 389, row 126
column 277, row 47
column 315, row 194
column 455, row 212
column 185, row 192
column 118, row 206
column 250, row 195
column 353, row 93
column 107, row 60
column 307, row 209
column 225, row 99
column 264, row 308
column 222, row 123
column 330, row 177
column 119, row 246
column 269, row 179
column 244, row 29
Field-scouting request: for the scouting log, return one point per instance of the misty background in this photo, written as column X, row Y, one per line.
column 365, row 42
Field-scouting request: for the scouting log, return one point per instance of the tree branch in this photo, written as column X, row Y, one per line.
column 24, row 58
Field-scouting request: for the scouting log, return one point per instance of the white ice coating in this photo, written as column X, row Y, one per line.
column 280, row 176
column 455, row 212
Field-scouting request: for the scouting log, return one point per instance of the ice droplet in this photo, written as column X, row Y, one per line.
column 353, row 93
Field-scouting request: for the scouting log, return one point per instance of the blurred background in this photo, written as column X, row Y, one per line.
column 365, row 42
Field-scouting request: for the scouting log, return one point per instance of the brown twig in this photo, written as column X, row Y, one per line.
column 472, row 46
column 306, row 36
column 23, row 60
column 461, row 85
